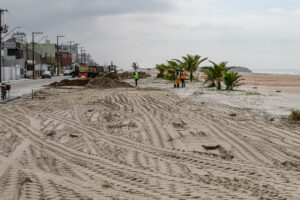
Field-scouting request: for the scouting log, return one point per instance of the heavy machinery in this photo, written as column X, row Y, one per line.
column 111, row 68
column 84, row 71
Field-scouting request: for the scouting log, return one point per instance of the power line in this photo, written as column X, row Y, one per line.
column 20, row 22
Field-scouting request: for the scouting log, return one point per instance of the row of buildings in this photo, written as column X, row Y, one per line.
column 17, row 57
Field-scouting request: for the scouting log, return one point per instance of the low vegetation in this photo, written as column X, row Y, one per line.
column 218, row 73
column 231, row 80
column 295, row 116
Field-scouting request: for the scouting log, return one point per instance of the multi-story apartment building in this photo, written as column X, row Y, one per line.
column 74, row 51
column 46, row 50
column 13, row 60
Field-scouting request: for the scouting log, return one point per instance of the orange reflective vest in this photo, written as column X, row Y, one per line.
column 182, row 76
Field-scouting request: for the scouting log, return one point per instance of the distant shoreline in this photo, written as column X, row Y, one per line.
column 277, row 73
column 287, row 83
column 273, row 73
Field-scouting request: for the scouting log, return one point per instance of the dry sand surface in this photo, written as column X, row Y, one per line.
column 144, row 144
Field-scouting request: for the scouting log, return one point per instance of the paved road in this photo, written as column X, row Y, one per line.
column 25, row 86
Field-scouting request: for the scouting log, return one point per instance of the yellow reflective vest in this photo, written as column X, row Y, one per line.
column 136, row 75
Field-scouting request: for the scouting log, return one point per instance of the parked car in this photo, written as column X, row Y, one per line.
column 46, row 74
column 67, row 72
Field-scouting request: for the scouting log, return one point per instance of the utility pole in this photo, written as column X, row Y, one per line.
column 33, row 70
column 76, row 49
column 84, row 58
column 1, row 29
column 33, row 33
column 27, row 58
column 58, row 36
column 81, row 49
column 71, row 52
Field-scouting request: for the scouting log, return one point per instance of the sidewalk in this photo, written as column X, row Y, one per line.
column 28, row 79
column 16, row 81
column 8, row 99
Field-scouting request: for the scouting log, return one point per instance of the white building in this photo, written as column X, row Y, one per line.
column 20, row 37
column 13, row 60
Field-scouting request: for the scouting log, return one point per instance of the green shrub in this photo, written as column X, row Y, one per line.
column 295, row 115
column 231, row 79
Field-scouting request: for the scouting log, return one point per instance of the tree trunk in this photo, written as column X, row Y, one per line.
column 191, row 76
column 219, row 85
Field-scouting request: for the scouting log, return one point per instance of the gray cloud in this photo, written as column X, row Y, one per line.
column 48, row 13
column 151, row 31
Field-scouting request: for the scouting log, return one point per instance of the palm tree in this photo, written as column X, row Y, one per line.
column 210, row 75
column 215, row 72
column 171, row 68
column 190, row 63
column 231, row 79
column 135, row 66
column 161, row 68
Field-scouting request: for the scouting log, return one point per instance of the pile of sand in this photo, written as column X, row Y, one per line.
column 106, row 80
column 129, row 75
column 66, row 82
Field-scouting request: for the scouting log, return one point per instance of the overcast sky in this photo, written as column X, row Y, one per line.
column 259, row 34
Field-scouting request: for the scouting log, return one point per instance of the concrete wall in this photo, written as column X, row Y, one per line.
column 10, row 73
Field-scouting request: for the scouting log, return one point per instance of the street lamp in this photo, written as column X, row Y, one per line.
column 42, row 39
column 34, row 33
column 10, row 32
column 57, row 37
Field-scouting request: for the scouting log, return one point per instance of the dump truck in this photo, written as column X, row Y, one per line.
column 84, row 71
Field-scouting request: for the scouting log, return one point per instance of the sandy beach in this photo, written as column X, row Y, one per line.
column 284, row 83
column 153, row 142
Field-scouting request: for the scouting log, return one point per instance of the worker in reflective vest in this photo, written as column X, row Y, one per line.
column 182, row 77
column 136, row 78
column 177, row 78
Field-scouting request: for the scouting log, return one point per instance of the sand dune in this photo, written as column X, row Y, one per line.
column 142, row 144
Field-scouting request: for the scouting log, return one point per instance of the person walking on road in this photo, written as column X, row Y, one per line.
column 182, row 77
column 136, row 78
column 177, row 78
column 3, row 91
